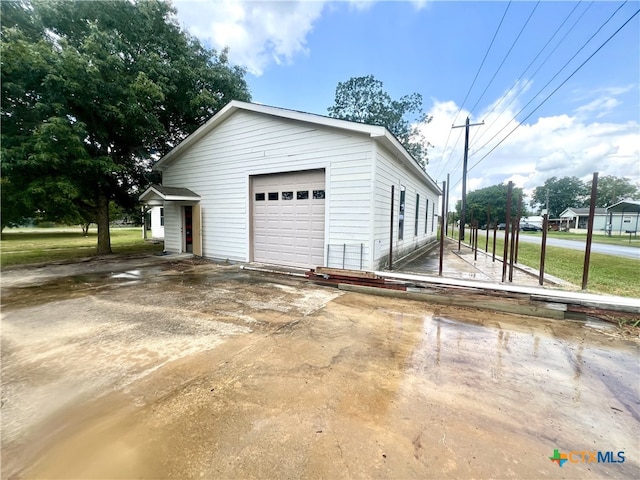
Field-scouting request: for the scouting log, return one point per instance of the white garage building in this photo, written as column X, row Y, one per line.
column 270, row 185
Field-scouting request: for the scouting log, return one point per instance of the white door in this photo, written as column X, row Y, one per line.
column 288, row 218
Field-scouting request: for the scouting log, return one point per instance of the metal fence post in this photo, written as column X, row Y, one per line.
column 344, row 253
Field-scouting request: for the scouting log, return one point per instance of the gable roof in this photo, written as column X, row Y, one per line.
column 376, row 132
column 583, row 211
column 630, row 206
column 168, row 193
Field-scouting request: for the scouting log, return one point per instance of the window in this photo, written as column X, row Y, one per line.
column 433, row 216
column 426, row 216
column 287, row 195
column 259, row 197
column 415, row 227
column 303, row 195
column 318, row 194
column 273, row 195
column 161, row 216
column 401, row 216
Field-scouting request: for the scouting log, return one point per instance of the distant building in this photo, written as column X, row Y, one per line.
column 611, row 218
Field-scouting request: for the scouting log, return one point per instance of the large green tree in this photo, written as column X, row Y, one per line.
column 364, row 100
column 92, row 93
column 561, row 193
column 494, row 200
column 613, row 189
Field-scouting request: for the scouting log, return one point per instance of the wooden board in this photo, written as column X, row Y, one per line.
column 345, row 273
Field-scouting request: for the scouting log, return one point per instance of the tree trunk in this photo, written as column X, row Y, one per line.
column 102, row 217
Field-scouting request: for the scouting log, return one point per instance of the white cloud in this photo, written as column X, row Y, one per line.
column 577, row 144
column 257, row 33
column 598, row 107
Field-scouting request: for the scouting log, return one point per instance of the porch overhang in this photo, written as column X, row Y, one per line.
column 157, row 195
column 625, row 206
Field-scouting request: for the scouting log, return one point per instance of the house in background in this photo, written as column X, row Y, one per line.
column 577, row 220
column 619, row 218
column 264, row 184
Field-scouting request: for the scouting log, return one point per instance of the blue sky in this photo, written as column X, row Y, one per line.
column 297, row 52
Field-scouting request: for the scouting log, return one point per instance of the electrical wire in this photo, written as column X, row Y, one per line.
column 446, row 143
column 552, row 79
column 558, row 87
column 478, row 134
column 505, row 57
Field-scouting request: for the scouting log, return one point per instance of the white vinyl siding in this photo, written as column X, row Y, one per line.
column 389, row 172
column 218, row 168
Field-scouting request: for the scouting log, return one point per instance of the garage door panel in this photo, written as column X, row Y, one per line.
column 289, row 230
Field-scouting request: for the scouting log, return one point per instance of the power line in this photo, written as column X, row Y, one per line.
column 505, row 57
column 557, row 88
column 473, row 139
column 446, row 143
column 552, row 78
column 523, row 85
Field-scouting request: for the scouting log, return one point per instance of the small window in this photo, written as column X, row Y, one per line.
column 426, row 216
column 415, row 227
column 433, row 216
column 401, row 216
column 161, row 216
column 259, row 197
column 318, row 194
column 273, row 195
column 287, row 195
column 303, row 195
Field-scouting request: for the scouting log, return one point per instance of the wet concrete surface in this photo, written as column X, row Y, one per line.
column 183, row 369
column 462, row 262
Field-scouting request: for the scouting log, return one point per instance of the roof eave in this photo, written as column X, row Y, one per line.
column 391, row 142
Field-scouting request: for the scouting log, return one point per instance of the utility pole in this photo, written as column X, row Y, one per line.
column 547, row 201
column 464, row 172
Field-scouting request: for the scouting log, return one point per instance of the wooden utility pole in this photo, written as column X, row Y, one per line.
column 464, row 172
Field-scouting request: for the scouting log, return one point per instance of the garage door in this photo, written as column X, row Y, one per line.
column 288, row 218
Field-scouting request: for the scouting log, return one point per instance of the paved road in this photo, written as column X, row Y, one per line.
column 617, row 250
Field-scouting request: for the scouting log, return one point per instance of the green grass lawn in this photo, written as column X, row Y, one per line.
column 33, row 245
column 607, row 273
column 582, row 237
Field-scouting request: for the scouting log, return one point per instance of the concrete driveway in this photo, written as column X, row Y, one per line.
column 185, row 369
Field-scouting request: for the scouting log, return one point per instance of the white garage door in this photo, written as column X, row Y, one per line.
column 288, row 218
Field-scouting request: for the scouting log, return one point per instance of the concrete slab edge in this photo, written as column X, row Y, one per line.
column 609, row 302
column 457, row 300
